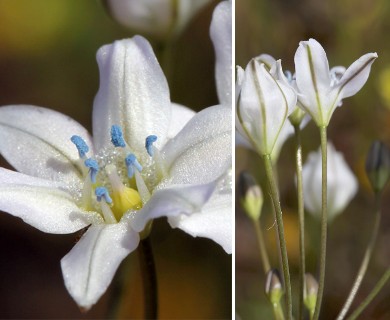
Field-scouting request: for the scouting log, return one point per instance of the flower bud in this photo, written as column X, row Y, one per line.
column 297, row 116
column 157, row 18
column 273, row 286
column 378, row 165
column 251, row 196
column 310, row 292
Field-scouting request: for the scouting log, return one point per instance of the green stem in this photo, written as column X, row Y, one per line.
column 324, row 223
column 149, row 278
column 279, row 223
column 365, row 262
column 301, row 214
column 278, row 311
column 262, row 248
column 371, row 296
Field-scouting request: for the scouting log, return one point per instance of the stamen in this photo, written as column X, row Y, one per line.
column 93, row 168
column 80, row 144
column 131, row 163
column 117, row 136
column 102, row 192
column 149, row 144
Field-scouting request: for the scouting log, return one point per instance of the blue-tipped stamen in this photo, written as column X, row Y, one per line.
column 80, row 144
column 131, row 163
column 149, row 144
column 93, row 167
column 102, row 192
column 117, row 136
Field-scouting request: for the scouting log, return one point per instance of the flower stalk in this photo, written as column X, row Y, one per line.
column 301, row 215
column 324, row 222
column 365, row 262
column 262, row 247
column 280, row 229
column 149, row 278
column 382, row 281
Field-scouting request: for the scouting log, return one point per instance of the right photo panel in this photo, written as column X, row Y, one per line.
column 312, row 119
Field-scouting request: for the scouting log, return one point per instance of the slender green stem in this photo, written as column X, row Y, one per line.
column 371, row 296
column 278, row 311
column 279, row 223
column 262, row 247
column 301, row 214
column 365, row 262
column 149, row 278
column 324, row 223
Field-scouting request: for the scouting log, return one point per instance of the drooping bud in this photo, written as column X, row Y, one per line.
column 310, row 292
column 274, row 287
column 251, row 196
column 378, row 165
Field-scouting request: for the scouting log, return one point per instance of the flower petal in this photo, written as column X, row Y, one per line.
column 202, row 151
column 172, row 201
column 214, row 221
column 313, row 79
column 356, row 75
column 133, row 93
column 90, row 266
column 36, row 141
column 180, row 116
column 221, row 35
column 41, row 203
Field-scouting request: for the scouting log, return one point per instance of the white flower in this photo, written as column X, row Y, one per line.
column 263, row 103
column 342, row 184
column 320, row 90
column 159, row 18
column 148, row 158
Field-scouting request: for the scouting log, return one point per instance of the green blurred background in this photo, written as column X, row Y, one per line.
column 47, row 58
column 347, row 29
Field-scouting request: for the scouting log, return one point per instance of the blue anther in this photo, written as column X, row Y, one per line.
column 102, row 192
column 117, row 136
column 93, row 167
column 131, row 163
column 80, row 145
column 149, row 144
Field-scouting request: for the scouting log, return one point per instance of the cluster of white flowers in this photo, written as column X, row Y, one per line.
column 266, row 97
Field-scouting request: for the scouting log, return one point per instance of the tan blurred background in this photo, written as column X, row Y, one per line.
column 347, row 29
column 47, row 58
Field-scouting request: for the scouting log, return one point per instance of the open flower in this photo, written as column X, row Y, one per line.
column 148, row 158
column 320, row 90
column 264, row 100
column 342, row 184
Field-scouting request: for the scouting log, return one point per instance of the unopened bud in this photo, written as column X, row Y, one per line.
column 273, row 286
column 297, row 116
column 378, row 165
column 251, row 196
column 310, row 292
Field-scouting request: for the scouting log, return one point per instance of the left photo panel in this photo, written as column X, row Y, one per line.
column 116, row 159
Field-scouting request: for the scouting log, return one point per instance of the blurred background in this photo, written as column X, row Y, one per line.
column 347, row 29
column 47, row 58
